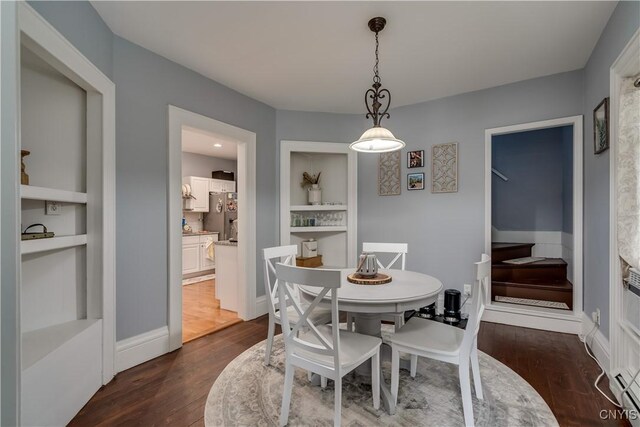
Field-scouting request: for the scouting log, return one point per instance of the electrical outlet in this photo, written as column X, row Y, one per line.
column 595, row 316
column 467, row 290
column 53, row 208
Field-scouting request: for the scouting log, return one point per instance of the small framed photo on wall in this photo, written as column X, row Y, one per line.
column 415, row 181
column 415, row 159
column 601, row 127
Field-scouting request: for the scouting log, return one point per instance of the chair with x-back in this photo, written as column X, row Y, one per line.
column 286, row 255
column 323, row 349
column 439, row 341
column 398, row 262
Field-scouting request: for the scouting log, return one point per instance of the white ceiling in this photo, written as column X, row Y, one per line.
column 200, row 142
column 318, row 56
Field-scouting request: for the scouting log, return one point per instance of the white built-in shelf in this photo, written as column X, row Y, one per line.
column 51, row 194
column 40, row 342
column 303, row 208
column 327, row 228
column 61, row 242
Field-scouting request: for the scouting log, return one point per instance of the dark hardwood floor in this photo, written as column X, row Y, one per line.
column 172, row 389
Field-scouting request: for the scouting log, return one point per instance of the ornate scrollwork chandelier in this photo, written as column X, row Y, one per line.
column 377, row 139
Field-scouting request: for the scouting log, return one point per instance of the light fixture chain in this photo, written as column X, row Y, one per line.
column 376, row 76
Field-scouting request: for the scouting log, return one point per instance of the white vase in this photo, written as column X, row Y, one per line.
column 315, row 195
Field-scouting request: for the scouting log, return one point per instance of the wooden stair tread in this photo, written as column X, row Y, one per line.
column 544, row 263
column 558, row 285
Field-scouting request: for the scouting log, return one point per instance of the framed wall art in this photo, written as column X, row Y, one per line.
column 415, row 159
column 601, row 127
column 444, row 168
column 389, row 174
column 415, row 181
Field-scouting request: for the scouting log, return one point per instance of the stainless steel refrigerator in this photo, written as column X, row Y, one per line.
column 222, row 215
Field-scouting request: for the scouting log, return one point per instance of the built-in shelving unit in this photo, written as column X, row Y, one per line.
column 333, row 223
column 51, row 194
column 314, row 208
column 66, row 282
column 319, row 229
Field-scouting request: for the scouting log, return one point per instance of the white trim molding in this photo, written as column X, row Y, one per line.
column 509, row 314
column 598, row 343
column 177, row 118
column 141, row 348
column 261, row 306
column 45, row 41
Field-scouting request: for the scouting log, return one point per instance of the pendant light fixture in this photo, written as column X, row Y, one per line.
column 377, row 139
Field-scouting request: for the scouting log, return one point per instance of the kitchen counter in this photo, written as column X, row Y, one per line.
column 199, row 233
column 225, row 243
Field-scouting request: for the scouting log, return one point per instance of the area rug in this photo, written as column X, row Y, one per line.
column 248, row 393
column 533, row 302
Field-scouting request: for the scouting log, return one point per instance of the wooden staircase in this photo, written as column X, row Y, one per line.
column 544, row 280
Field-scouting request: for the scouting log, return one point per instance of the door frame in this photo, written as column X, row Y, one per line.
column 627, row 63
column 543, row 318
column 177, row 118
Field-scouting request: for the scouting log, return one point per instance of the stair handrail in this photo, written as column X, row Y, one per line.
column 499, row 174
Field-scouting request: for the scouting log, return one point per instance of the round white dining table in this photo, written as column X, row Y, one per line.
column 408, row 290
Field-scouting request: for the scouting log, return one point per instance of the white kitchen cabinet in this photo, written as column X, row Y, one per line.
column 207, row 262
column 200, row 190
column 190, row 254
column 222, row 186
column 195, row 255
column 227, row 276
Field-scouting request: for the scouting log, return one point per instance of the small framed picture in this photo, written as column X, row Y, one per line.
column 415, row 181
column 601, row 127
column 415, row 159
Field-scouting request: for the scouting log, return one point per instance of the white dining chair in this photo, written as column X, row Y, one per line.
column 286, row 255
column 400, row 250
column 323, row 349
column 439, row 341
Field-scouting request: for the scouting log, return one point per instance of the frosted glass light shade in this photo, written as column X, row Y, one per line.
column 377, row 140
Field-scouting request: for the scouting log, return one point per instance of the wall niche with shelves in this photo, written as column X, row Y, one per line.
column 67, row 327
column 332, row 223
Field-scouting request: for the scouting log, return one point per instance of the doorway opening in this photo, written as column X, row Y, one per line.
column 211, row 225
column 534, row 223
column 209, row 220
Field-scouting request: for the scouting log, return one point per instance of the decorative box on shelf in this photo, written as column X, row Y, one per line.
column 311, row 262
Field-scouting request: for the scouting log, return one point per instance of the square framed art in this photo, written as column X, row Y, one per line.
column 415, row 159
column 415, row 181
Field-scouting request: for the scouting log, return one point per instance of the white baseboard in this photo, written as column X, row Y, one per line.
column 141, row 348
column 261, row 306
column 597, row 342
column 534, row 318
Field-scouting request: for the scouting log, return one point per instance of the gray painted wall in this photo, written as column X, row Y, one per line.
column 79, row 22
column 533, row 198
column 201, row 165
column 9, row 259
column 622, row 25
column 145, row 85
column 441, row 229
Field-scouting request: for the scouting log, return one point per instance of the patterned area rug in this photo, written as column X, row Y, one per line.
column 248, row 393
column 533, row 302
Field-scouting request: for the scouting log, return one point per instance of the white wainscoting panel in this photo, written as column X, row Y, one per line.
column 141, row 348
column 261, row 306
column 597, row 342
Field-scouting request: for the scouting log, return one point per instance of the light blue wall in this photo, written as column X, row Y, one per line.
column 146, row 84
column 442, row 230
column 624, row 22
column 567, row 179
column 533, row 198
column 79, row 22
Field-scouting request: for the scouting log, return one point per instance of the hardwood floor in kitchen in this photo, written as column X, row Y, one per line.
column 201, row 312
column 172, row 389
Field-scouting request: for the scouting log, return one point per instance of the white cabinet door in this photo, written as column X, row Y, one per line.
column 229, row 186
column 190, row 258
column 215, row 186
column 207, row 256
column 200, row 190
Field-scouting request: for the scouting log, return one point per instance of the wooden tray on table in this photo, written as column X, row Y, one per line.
column 378, row 279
